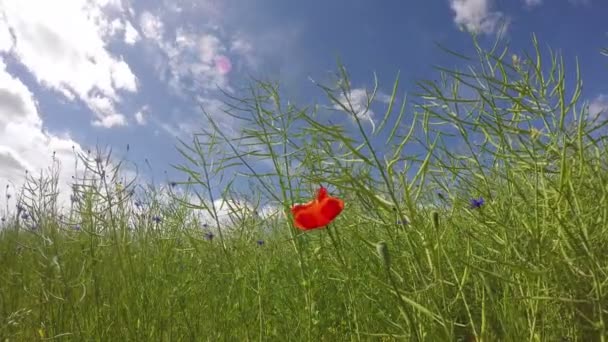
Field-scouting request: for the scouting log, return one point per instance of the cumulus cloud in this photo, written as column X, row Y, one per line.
column 477, row 16
column 24, row 144
column 64, row 46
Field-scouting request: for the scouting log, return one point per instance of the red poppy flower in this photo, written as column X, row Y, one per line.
column 317, row 213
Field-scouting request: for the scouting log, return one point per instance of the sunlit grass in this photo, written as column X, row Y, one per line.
column 476, row 209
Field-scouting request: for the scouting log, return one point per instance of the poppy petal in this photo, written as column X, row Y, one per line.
column 306, row 220
column 331, row 208
column 322, row 194
column 317, row 213
column 300, row 207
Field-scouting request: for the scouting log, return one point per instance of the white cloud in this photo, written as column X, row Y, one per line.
column 151, row 26
column 140, row 116
column 599, row 106
column 357, row 102
column 533, row 3
column 476, row 16
column 24, row 144
column 131, row 34
column 196, row 62
column 64, row 45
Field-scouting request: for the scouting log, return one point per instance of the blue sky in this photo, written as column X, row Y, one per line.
column 115, row 72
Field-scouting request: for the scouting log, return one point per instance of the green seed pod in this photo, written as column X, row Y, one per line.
column 382, row 250
column 435, row 220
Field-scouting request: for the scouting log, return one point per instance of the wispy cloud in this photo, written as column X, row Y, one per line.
column 598, row 107
column 358, row 101
column 533, row 3
column 140, row 116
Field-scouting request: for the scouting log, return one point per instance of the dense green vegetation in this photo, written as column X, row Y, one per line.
column 411, row 257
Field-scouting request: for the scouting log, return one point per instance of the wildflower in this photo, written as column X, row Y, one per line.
column 25, row 216
column 205, row 226
column 260, row 242
column 476, row 203
column 98, row 160
column 138, row 203
column 402, row 222
column 77, row 227
column 317, row 213
column 20, row 209
column 173, row 184
column 157, row 219
column 209, row 236
column 3, row 219
column 8, row 196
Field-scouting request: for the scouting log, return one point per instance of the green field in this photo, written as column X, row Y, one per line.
column 411, row 257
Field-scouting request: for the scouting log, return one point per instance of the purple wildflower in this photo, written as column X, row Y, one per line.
column 3, row 219
column 173, row 184
column 476, row 202
column 25, row 216
column 260, row 242
column 77, row 227
column 157, row 219
column 209, row 236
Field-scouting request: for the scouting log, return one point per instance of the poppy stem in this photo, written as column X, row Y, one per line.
column 335, row 243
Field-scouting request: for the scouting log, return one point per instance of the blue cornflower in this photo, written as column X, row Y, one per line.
column 157, row 219
column 209, row 236
column 260, row 242
column 476, row 202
